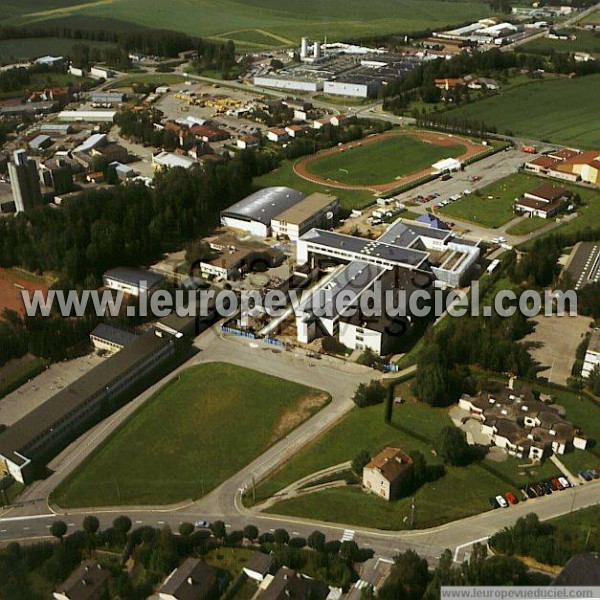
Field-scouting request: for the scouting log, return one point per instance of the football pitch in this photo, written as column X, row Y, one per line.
column 382, row 161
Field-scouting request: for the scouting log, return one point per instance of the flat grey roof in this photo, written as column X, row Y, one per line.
column 368, row 248
column 264, row 205
column 122, row 337
column 403, row 233
column 20, row 435
column 133, row 276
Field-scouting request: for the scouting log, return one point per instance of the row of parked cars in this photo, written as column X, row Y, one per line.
column 531, row 491
column 424, row 199
column 590, row 474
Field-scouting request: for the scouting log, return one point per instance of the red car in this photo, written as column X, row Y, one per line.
column 557, row 483
column 511, row 498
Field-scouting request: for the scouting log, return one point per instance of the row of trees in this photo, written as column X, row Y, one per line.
column 158, row 551
column 411, row 579
column 545, row 542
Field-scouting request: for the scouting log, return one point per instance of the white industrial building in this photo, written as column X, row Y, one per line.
column 301, row 84
column 88, row 116
column 132, row 281
column 592, row 356
column 407, row 257
column 255, row 212
column 355, row 89
column 102, row 72
column 168, row 160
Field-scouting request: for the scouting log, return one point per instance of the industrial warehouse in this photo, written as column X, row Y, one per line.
column 340, row 69
column 48, row 428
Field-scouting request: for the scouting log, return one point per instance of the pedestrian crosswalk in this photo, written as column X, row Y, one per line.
column 348, row 535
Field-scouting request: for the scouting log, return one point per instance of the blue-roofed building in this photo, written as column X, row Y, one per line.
column 432, row 221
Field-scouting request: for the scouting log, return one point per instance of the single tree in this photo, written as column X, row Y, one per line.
column 186, row 528
column 316, row 540
column 122, row 525
column 360, row 461
column 218, row 529
column 91, row 524
column 58, row 529
column 281, row 536
column 251, row 532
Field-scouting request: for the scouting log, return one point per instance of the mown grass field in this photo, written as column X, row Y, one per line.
column 197, row 431
column 28, row 48
column 284, row 175
column 558, row 110
column 382, row 161
column 593, row 18
column 460, row 492
column 527, row 226
column 492, row 207
column 586, row 41
column 274, row 23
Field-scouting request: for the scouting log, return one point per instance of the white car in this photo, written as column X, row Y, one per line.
column 202, row 524
column 502, row 503
column 564, row 482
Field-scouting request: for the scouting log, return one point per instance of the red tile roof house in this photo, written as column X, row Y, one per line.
column 294, row 130
column 544, row 201
column 277, row 134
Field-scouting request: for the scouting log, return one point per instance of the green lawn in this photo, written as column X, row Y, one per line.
column 197, row 431
column 286, row 22
column 394, row 157
column 284, row 175
column 461, row 492
column 557, row 110
column 28, row 48
column 527, row 226
column 593, row 18
column 586, row 41
column 492, row 207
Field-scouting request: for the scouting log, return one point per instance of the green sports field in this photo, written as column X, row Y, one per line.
column 194, row 433
column 260, row 23
column 382, row 161
column 558, row 110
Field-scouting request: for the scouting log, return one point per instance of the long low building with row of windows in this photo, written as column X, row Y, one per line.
column 51, row 426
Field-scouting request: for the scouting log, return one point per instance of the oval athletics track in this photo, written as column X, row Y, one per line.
column 431, row 137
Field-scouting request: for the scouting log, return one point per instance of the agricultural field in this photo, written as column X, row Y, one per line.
column 260, row 23
column 586, row 41
column 184, row 441
column 29, row 48
column 556, row 110
column 284, row 175
column 394, row 156
column 592, row 19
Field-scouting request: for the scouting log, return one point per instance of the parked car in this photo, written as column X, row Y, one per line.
column 557, row 484
column 202, row 524
column 511, row 498
column 594, row 473
column 550, row 483
column 539, row 489
column 564, row 482
column 501, row 502
column 548, row 487
column 586, row 475
column 530, row 492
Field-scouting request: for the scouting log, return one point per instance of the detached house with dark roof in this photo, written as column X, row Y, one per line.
column 192, row 580
column 544, row 201
column 385, row 474
column 89, row 581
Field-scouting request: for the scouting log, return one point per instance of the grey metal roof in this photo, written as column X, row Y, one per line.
column 404, row 234
column 193, row 580
column 133, row 276
column 112, row 334
column 264, row 205
column 19, row 436
column 368, row 248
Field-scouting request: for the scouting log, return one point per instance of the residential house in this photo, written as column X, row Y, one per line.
column 592, row 355
column 387, row 472
column 247, row 141
column 192, row 580
column 290, row 585
column 523, row 425
column 89, row 581
column 544, row 201
column 259, row 565
column 277, row 134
